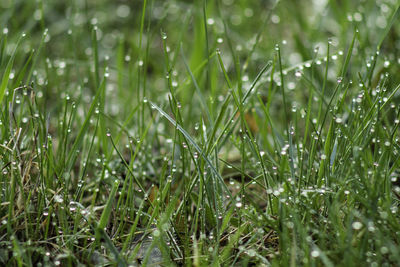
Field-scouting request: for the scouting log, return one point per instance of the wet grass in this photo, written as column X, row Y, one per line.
column 216, row 133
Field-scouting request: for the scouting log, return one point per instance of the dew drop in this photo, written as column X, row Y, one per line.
column 357, row 225
column 156, row 233
column 315, row 253
column 338, row 120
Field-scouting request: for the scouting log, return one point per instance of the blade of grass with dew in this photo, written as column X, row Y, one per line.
column 195, row 72
column 124, row 161
column 139, row 69
column 190, row 139
column 105, row 215
column 79, row 191
column 22, row 72
column 95, row 57
column 235, row 58
column 196, row 86
column 227, row 125
column 79, row 139
column 223, row 107
column 102, row 98
column 282, row 86
column 6, row 75
column 393, row 18
column 348, row 55
column 36, row 57
column 207, row 52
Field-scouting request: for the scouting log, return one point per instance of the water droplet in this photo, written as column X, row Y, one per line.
column 123, row 11
column 58, row 199
column 357, row 225
column 156, row 233
column 338, row 120
column 251, row 252
column 276, row 193
column 315, row 253
column 275, row 19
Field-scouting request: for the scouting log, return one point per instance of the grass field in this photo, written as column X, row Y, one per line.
column 196, row 133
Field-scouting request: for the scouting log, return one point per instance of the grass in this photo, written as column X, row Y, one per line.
column 210, row 133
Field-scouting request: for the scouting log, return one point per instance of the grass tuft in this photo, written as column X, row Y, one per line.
column 224, row 133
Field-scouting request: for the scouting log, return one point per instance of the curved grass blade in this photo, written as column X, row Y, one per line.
column 190, row 139
column 388, row 26
column 6, row 75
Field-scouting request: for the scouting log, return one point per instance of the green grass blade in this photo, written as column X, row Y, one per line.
column 6, row 75
column 83, row 131
column 194, row 144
